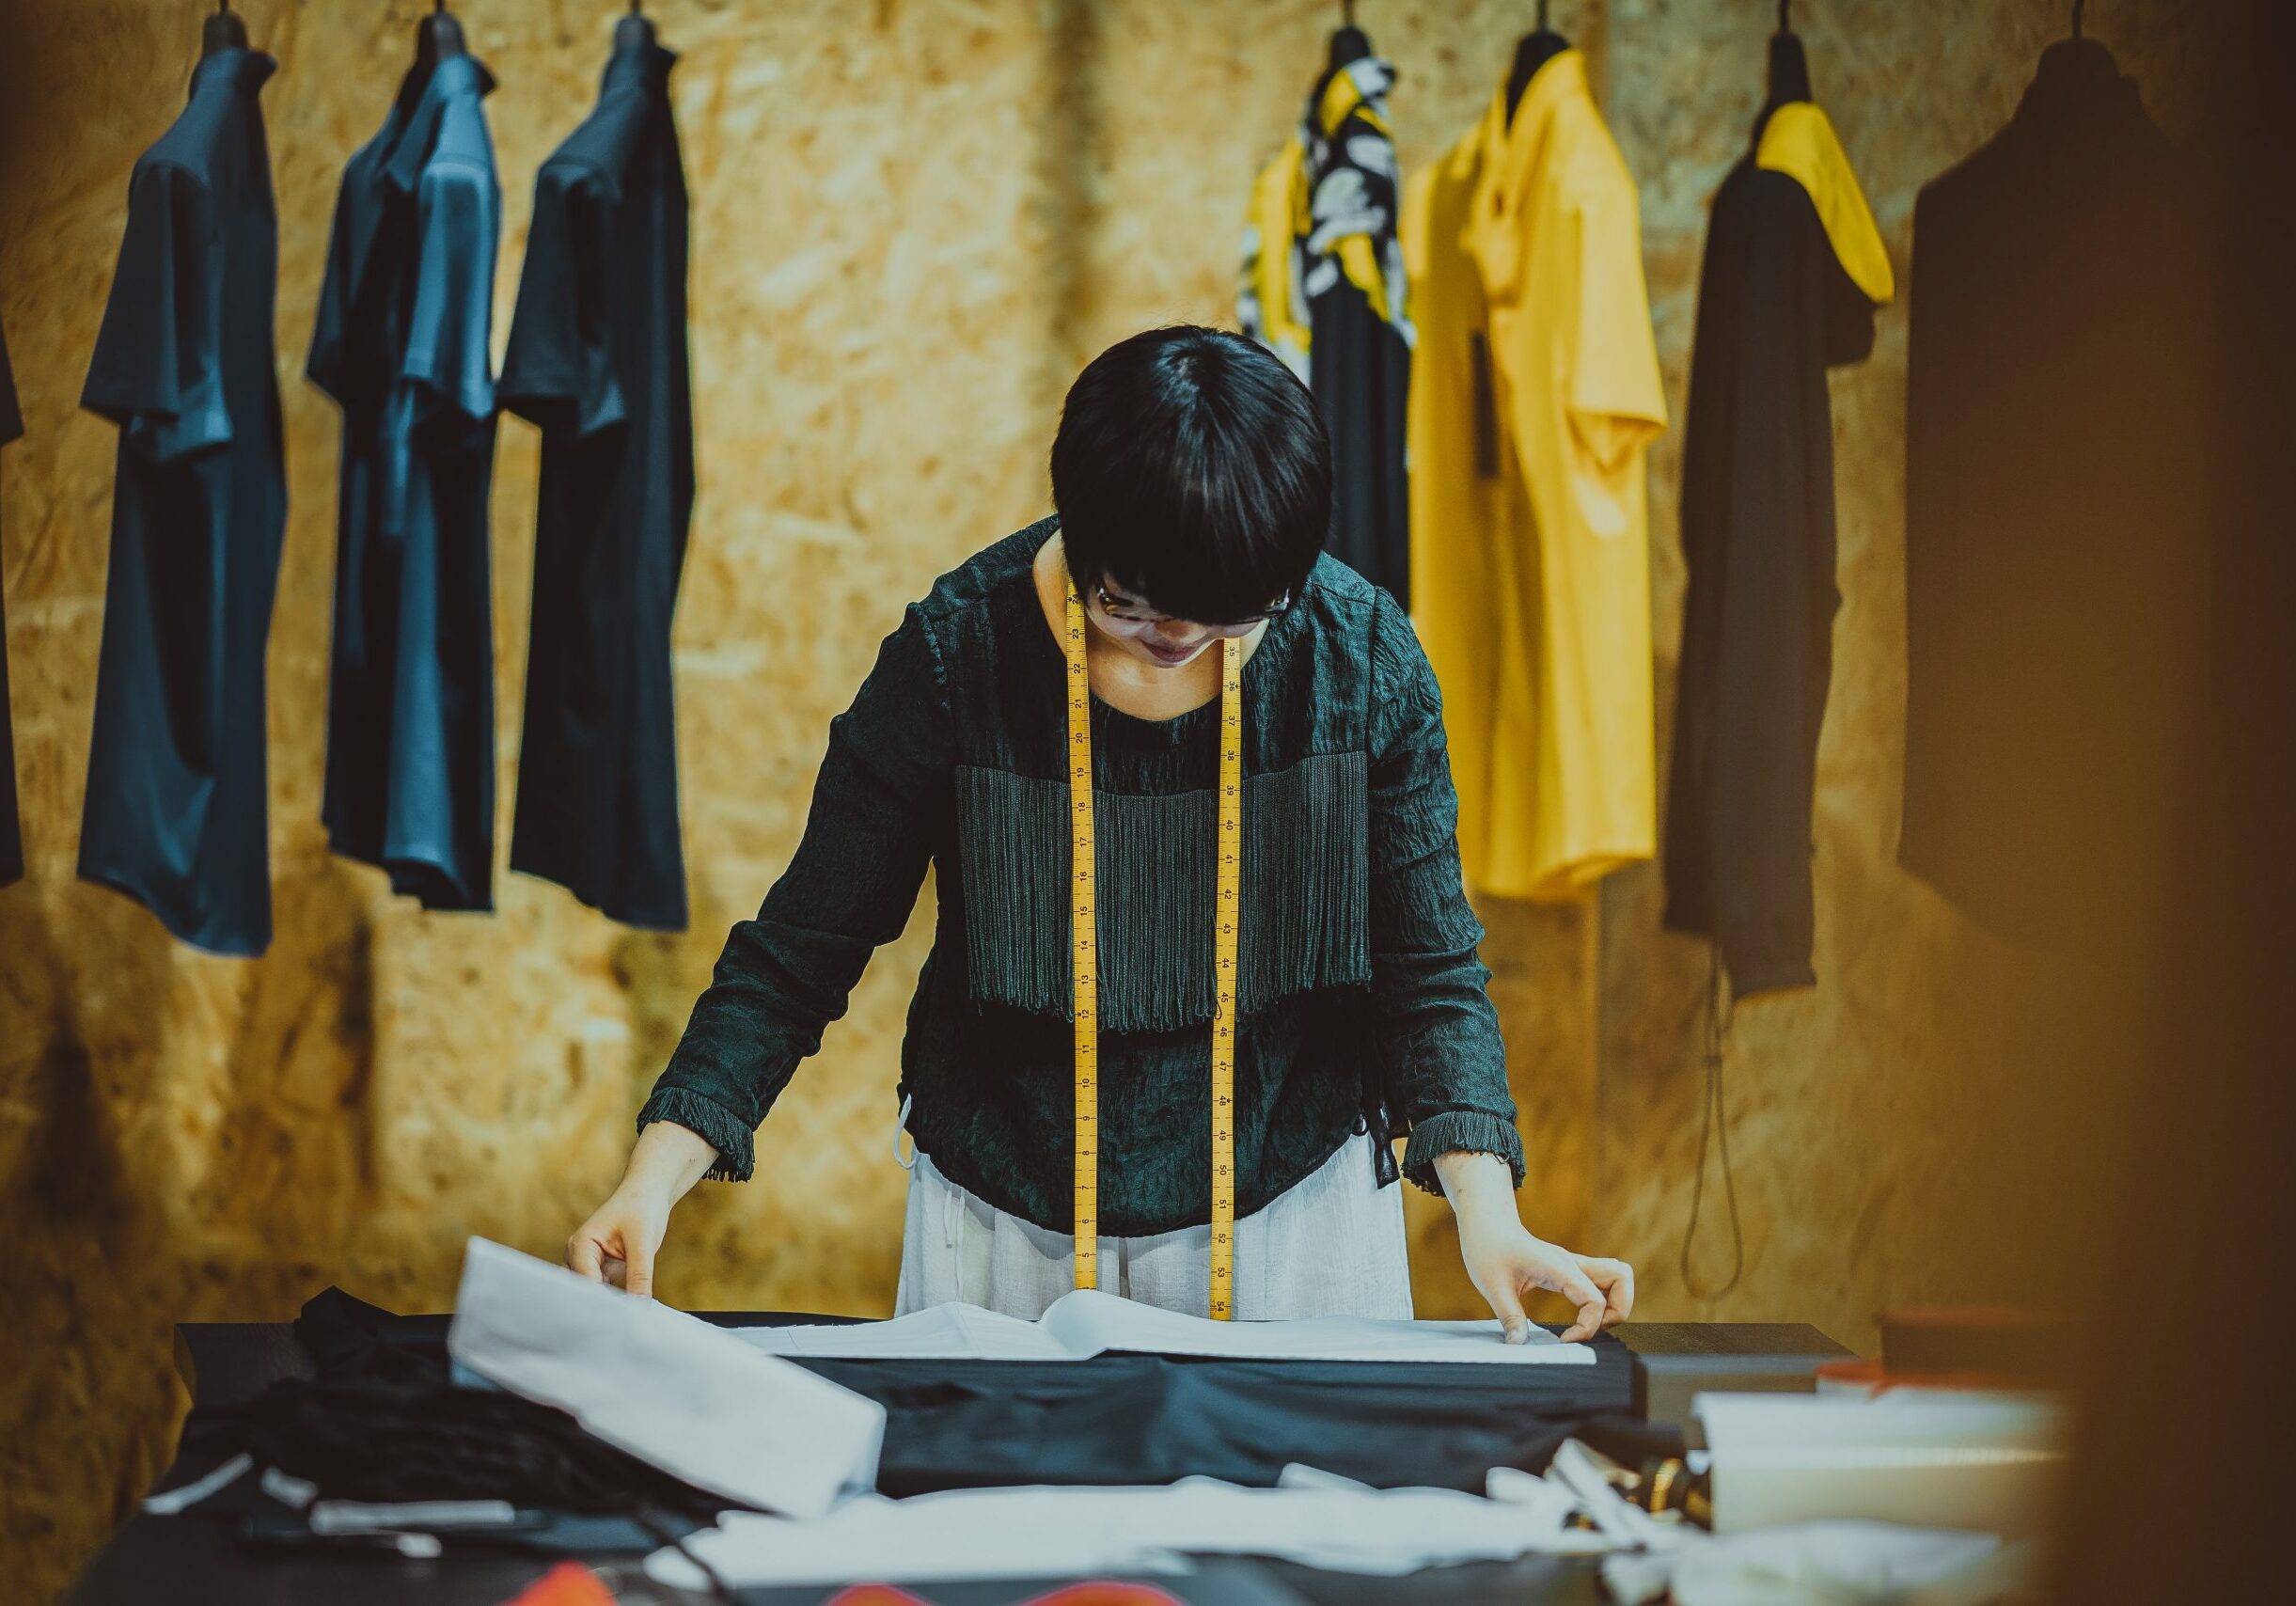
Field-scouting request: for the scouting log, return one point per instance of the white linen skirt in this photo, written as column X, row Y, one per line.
column 1332, row 1244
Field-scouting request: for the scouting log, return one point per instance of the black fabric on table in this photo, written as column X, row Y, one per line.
column 1147, row 1419
column 383, row 1421
column 1152, row 1419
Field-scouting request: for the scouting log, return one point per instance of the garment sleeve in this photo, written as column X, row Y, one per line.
column 1446, row 1077
column 459, row 223
column 850, row 888
column 558, row 371
column 1617, row 401
column 157, row 373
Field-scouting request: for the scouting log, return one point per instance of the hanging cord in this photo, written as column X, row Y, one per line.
column 1786, row 16
column 1714, row 1117
column 2079, row 6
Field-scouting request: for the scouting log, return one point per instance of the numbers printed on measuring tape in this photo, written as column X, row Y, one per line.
column 1083, row 869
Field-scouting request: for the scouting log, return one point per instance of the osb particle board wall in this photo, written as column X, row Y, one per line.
column 912, row 222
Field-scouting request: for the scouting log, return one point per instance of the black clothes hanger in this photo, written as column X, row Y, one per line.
column 223, row 31
column 437, row 37
column 2075, row 71
column 1789, row 69
column 1532, row 51
column 633, row 32
column 1348, row 42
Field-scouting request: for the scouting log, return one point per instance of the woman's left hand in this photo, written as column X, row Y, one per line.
column 1504, row 1261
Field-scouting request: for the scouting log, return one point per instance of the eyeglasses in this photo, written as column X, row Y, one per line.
column 1132, row 610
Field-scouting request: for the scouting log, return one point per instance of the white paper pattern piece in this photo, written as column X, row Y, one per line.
column 1071, row 1532
column 685, row 1396
column 1088, row 1322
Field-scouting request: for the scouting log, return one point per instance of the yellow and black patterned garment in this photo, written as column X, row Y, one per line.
column 1323, row 287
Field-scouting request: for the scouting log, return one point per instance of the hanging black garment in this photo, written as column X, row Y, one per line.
column 11, row 840
column 1359, row 360
column 402, row 343
column 597, row 358
column 2060, row 411
column 1331, row 300
column 1778, row 304
column 1115, row 1419
column 176, row 814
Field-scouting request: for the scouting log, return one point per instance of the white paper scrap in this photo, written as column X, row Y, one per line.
column 1088, row 1322
column 671, row 1390
column 1069, row 1533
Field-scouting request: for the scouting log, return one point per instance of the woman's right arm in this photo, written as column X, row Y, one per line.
column 785, row 975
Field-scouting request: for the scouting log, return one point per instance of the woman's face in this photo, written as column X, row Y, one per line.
column 1157, row 638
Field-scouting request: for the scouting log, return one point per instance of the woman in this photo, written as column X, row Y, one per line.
column 1192, row 479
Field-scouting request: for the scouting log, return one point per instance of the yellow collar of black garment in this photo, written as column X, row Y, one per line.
column 1800, row 142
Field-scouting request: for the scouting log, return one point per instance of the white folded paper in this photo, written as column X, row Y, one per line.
column 1936, row 1458
column 1069, row 1533
column 673, row 1391
column 1087, row 1322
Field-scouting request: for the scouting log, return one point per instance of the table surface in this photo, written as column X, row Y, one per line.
column 194, row 1562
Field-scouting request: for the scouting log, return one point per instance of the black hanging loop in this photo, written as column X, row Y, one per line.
column 437, row 37
column 1532, row 51
column 1789, row 68
column 222, row 31
column 1349, row 43
column 2079, row 6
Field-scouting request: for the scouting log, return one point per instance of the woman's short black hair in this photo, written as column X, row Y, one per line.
column 1192, row 472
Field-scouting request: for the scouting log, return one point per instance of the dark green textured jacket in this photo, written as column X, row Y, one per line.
column 1361, row 1000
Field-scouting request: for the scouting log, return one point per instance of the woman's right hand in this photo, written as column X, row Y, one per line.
column 618, row 1244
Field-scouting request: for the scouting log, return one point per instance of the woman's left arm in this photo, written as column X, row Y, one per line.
column 1446, row 1077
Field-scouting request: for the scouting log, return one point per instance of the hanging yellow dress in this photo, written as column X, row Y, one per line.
column 1535, row 394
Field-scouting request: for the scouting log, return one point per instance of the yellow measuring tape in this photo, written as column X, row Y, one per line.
column 1084, row 915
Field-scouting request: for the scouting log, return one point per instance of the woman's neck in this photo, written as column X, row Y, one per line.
column 1123, row 681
